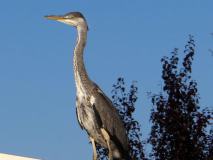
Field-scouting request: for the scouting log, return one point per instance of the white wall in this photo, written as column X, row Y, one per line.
column 13, row 157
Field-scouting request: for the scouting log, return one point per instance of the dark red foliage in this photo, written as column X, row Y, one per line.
column 179, row 127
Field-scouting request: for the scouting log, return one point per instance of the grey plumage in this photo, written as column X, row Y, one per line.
column 95, row 112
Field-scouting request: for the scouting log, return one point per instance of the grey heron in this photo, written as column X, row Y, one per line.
column 95, row 111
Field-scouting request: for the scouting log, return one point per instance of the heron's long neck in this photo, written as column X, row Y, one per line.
column 83, row 83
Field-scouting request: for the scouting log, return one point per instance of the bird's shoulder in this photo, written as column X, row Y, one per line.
column 98, row 96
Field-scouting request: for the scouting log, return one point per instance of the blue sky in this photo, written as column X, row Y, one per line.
column 37, row 92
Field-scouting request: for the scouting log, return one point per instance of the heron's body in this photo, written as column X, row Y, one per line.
column 95, row 112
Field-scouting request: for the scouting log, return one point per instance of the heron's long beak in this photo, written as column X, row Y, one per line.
column 56, row 18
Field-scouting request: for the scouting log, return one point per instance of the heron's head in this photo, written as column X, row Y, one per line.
column 75, row 19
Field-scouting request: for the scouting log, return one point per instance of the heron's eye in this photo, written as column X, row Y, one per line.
column 68, row 16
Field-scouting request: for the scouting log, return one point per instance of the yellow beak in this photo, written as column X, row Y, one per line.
column 56, row 18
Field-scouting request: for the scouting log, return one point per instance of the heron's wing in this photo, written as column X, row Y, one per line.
column 110, row 118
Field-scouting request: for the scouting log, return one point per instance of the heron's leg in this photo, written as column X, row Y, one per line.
column 94, row 148
column 107, row 138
